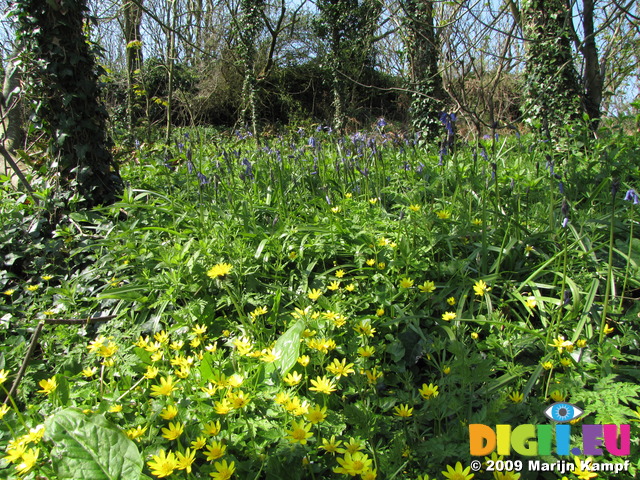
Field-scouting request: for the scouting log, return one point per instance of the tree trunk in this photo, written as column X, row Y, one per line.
column 11, row 129
column 425, row 79
column 593, row 81
column 132, row 20
column 553, row 97
column 64, row 83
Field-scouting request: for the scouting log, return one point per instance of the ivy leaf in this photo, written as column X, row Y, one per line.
column 91, row 448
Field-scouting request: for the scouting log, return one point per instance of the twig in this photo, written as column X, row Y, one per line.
column 25, row 362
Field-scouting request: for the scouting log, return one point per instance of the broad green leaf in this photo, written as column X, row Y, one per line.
column 90, row 447
column 287, row 348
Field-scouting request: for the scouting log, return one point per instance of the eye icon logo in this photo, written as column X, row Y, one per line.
column 562, row 412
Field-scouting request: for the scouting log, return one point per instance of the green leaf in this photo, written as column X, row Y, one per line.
column 91, row 448
column 287, row 348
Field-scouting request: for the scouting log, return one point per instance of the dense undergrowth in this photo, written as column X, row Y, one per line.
column 319, row 306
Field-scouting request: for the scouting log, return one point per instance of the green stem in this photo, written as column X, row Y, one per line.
column 628, row 266
column 607, row 291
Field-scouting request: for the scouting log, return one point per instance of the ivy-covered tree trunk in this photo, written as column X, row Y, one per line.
column 348, row 27
column 425, row 80
column 132, row 10
column 250, row 27
column 552, row 92
column 64, row 87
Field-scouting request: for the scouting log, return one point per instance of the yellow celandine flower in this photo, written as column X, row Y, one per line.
column 162, row 337
column 560, row 343
column 152, row 372
column 340, row 368
column 4, row 409
column 516, row 397
column 219, row 270
column 299, row 432
column 186, row 459
column 4, row 374
column 177, row 345
column 239, row 399
column 557, row 396
column 354, row 464
column 429, row 391
column 163, row 464
column 215, row 450
column 451, row 301
column 476, row 221
column 446, row 369
column 9, row 292
column 581, row 343
column 49, row 313
column 480, row 288
column 304, row 360
column 15, row 450
column 427, row 287
column 371, row 262
column 406, row 283
column 296, row 406
column 443, row 214
column 379, row 312
column 531, row 302
column 331, row 446
column 350, row 288
column 352, row 446
column 293, row 378
column 169, row 412
column 199, row 443
column 199, row 329
column 458, row 473
column 136, row 433
column 282, row 398
column 474, row 335
column 173, row 431
column 373, row 375
column 336, row 209
column 95, row 345
column 317, row 414
column 448, row 316
column 403, row 410
column 243, row 345
column 367, row 351
column 224, row 470
column 308, row 333
column 369, row 475
column 528, row 250
column 414, row 208
column 566, row 362
column 89, row 372
column 222, row 407
column 35, row 434
column 166, row 387
column 608, row 329
column 335, row 285
column 340, row 273
column 364, row 328
column 48, row 386
column 212, row 428
column 314, row 294
column 109, row 350
column 115, row 408
column 268, row 356
column 548, row 365
column 373, row 201
column 292, row 255
column 154, row 347
column 586, row 473
column 29, row 459
column 108, row 362
column 323, row 385
column 33, row 288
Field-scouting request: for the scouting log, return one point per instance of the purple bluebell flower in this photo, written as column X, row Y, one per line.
column 381, row 123
column 561, row 188
column 203, row 179
column 189, row 167
column 632, row 196
column 248, row 170
column 312, row 142
column 484, row 154
column 180, row 147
